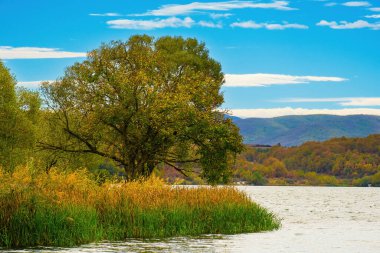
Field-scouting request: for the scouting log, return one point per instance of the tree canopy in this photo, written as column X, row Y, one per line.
column 145, row 102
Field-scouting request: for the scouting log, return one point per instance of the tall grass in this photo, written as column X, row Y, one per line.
column 66, row 209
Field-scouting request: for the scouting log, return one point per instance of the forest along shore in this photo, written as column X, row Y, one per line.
column 336, row 162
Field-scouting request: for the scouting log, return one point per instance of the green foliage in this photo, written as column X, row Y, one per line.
column 320, row 179
column 253, row 177
column 36, row 224
column 19, row 112
column 144, row 102
column 373, row 180
column 222, row 218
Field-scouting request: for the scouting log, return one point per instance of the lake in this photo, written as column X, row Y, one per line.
column 314, row 219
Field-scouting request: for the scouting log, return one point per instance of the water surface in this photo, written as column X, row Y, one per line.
column 314, row 219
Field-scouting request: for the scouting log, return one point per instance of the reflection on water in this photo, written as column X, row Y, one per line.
column 314, row 219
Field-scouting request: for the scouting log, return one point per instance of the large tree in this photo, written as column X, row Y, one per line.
column 145, row 102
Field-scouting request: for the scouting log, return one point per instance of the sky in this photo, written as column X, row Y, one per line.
column 279, row 57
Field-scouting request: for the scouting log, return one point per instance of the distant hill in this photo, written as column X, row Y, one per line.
column 295, row 130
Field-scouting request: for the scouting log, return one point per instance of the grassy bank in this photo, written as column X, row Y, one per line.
column 66, row 209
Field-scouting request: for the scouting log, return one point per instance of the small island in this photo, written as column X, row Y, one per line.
column 131, row 107
column 68, row 209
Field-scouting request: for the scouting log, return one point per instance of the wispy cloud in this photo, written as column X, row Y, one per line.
column 32, row 84
column 346, row 101
column 375, row 9
column 172, row 22
column 220, row 15
column 373, row 16
column 108, row 14
column 285, row 111
column 260, row 80
column 210, row 24
column 359, row 24
column 185, row 9
column 253, row 25
column 7, row 52
column 357, row 4
column 361, row 102
column 350, row 4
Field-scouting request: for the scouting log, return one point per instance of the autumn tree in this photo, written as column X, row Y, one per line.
column 145, row 102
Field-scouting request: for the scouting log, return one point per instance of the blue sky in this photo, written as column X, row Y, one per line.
column 279, row 57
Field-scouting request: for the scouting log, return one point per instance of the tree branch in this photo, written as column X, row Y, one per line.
column 182, row 171
column 183, row 161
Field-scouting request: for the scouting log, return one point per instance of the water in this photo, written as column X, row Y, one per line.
column 314, row 219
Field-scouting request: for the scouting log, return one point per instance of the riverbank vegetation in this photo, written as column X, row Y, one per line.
column 71, row 208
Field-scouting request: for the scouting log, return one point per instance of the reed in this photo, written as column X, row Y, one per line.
column 66, row 209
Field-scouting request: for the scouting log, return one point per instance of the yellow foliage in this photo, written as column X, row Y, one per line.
column 78, row 188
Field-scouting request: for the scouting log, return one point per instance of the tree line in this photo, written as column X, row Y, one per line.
column 339, row 161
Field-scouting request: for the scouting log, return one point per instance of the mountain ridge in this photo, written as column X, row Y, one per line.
column 298, row 129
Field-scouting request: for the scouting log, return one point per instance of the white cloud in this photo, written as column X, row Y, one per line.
column 253, row 25
column 359, row 24
column 331, row 4
column 151, row 24
column 357, row 4
column 348, row 101
column 260, row 80
column 185, row 9
column 108, row 14
column 373, row 16
column 375, row 9
column 32, row 84
column 361, row 102
column 247, row 24
column 285, row 111
column 210, row 24
column 7, row 52
column 220, row 15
